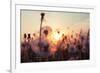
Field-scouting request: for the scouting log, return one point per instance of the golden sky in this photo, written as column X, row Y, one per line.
column 30, row 21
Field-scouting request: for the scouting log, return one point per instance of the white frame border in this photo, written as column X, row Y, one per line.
column 70, row 64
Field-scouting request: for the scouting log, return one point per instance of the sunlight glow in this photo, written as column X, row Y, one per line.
column 57, row 36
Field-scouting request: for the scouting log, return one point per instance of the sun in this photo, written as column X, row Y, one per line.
column 57, row 36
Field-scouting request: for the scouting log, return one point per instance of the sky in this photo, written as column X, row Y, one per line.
column 62, row 21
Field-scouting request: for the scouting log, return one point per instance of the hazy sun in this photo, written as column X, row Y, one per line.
column 57, row 36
